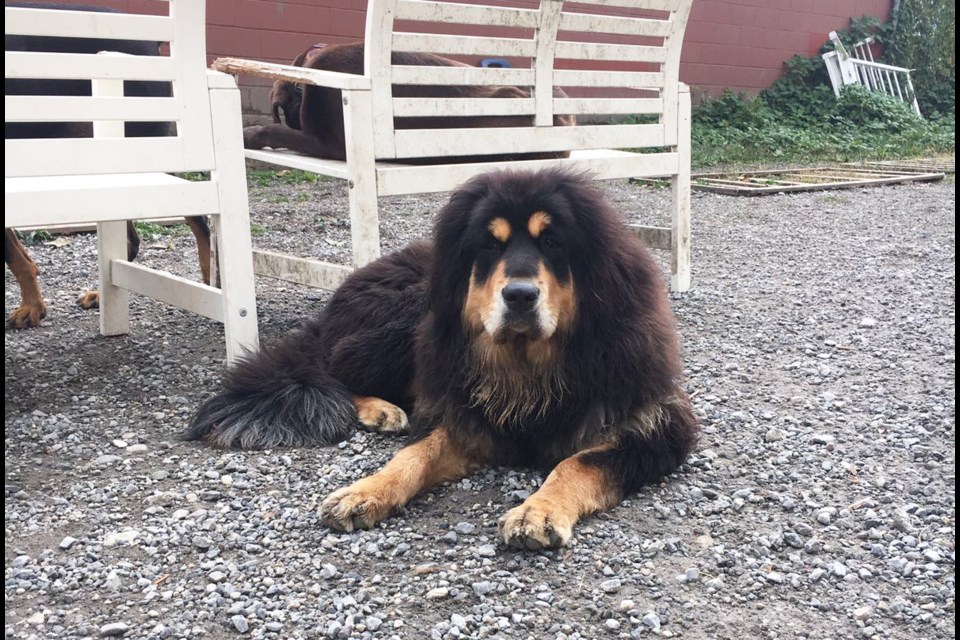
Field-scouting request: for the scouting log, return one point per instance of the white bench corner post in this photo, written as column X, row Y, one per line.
column 234, row 248
column 680, row 205
column 111, row 235
column 362, row 179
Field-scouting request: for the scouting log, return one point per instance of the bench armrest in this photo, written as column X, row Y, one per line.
column 331, row 79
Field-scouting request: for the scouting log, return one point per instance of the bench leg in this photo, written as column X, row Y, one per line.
column 364, row 220
column 114, row 301
column 233, row 245
column 680, row 205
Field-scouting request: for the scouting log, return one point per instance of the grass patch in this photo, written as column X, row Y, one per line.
column 256, row 230
column 31, row 238
column 151, row 229
column 265, row 178
column 860, row 125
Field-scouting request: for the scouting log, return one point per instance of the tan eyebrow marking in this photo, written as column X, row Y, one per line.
column 538, row 222
column 500, row 229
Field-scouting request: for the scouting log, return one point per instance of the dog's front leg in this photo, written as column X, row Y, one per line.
column 416, row 467
column 576, row 487
column 31, row 309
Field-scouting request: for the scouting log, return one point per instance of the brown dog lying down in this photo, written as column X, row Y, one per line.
column 314, row 115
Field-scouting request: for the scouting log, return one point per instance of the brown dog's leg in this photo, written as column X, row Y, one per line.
column 31, row 309
column 380, row 416
column 279, row 136
column 415, row 468
column 91, row 299
column 572, row 490
column 201, row 231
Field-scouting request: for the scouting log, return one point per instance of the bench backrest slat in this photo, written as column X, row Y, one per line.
column 102, row 56
column 610, row 57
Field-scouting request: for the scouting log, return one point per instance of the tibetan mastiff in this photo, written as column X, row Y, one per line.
column 533, row 330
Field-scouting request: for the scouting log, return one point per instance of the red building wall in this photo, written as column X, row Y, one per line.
column 735, row 44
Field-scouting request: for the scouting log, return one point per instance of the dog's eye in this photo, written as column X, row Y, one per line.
column 492, row 244
column 549, row 242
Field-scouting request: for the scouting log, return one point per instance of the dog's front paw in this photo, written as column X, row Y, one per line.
column 353, row 507
column 89, row 300
column 251, row 137
column 27, row 315
column 532, row 526
column 381, row 416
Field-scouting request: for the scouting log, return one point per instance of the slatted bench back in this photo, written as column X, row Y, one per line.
column 561, row 44
column 191, row 149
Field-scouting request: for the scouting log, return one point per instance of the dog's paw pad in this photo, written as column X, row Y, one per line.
column 533, row 528
column 89, row 300
column 27, row 315
column 381, row 416
column 349, row 509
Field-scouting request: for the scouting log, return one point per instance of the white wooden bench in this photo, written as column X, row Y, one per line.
column 109, row 178
column 564, row 44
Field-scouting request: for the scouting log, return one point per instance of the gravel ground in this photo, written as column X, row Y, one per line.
column 820, row 350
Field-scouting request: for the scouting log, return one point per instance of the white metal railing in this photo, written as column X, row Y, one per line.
column 860, row 68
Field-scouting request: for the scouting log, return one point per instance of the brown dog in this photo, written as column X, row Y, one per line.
column 314, row 115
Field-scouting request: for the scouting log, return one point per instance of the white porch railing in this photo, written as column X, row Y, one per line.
column 860, row 68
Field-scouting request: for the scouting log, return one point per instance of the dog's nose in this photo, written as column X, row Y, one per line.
column 521, row 296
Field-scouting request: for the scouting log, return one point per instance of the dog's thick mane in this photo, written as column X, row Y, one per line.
column 516, row 381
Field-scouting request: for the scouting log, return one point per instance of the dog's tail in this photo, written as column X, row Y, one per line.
column 280, row 396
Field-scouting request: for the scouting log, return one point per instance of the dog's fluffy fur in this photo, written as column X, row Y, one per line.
column 533, row 330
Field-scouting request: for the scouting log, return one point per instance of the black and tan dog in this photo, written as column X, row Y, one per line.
column 533, row 330
column 32, row 308
column 313, row 116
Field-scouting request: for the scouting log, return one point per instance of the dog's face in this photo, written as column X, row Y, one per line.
column 521, row 285
column 286, row 98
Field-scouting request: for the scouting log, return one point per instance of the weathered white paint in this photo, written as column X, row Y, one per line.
column 108, row 179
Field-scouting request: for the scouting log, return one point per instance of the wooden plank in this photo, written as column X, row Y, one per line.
column 546, row 37
column 71, row 228
column 114, row 300
column 461, row 76
column 603, row 51
column 317, row 77
column 589, row 78
column 653, row 237
column 410, row 107
column 88, row 108
column 428, row 143
column 653, row 5
column 287, row 158
column 755, row 190
column 616, row 25
column 86, row 24
column 82, row 66
column 603, row 164
column 462, row 45
column 680, row 258
column 48, row 204
column 456, row 13
column 165, row 287
column 57, row 156
column 313, row 273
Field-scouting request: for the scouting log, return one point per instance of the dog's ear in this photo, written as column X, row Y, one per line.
column 301, row 59
column 279, row 98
